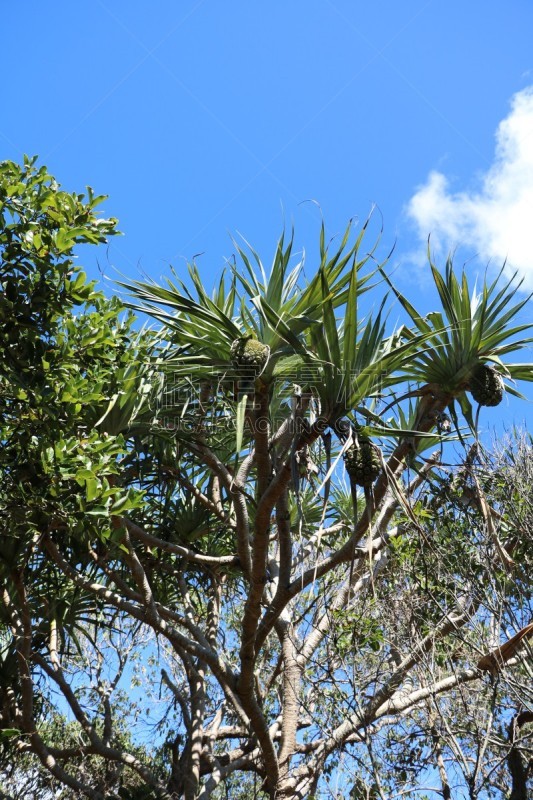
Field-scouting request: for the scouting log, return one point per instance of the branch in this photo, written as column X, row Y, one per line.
column 191, row 555
column 212, row 506
column 109, row 753
column 494, row 660
column 515, row 762
column 236, row 492
column 221, row 670
column 360, row 579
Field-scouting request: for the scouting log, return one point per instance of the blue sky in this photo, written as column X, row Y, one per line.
column 201, row 118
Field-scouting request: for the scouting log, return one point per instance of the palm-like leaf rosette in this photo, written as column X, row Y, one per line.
column 468, row 341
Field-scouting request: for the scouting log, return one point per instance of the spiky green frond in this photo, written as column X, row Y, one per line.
column 472, row 329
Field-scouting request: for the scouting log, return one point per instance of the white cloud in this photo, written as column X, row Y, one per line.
column 496, row 219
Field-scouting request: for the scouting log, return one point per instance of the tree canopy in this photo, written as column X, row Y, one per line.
column 256, row 548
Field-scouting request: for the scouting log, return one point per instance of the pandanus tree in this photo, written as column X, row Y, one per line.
column 285, row 503
column 302, row 379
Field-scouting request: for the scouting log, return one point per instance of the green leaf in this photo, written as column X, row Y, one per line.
column 239, row 422
column 9, row 733
column 350, row 324
column 92, row 486
column 330, row 333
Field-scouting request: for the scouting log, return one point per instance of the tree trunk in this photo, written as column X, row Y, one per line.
column 515, row 761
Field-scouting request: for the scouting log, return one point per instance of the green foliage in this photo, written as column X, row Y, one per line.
column 472, row 328
column 59, row 368
column 67, row 352
column 39, row 227
column 187, row 563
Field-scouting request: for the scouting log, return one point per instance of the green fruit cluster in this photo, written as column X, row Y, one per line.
column 249, row 352
column 363, row 463
column 486, row 385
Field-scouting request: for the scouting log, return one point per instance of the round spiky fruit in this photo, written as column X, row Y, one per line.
column 363, row 463
column 249, row 352
column 486, row 385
